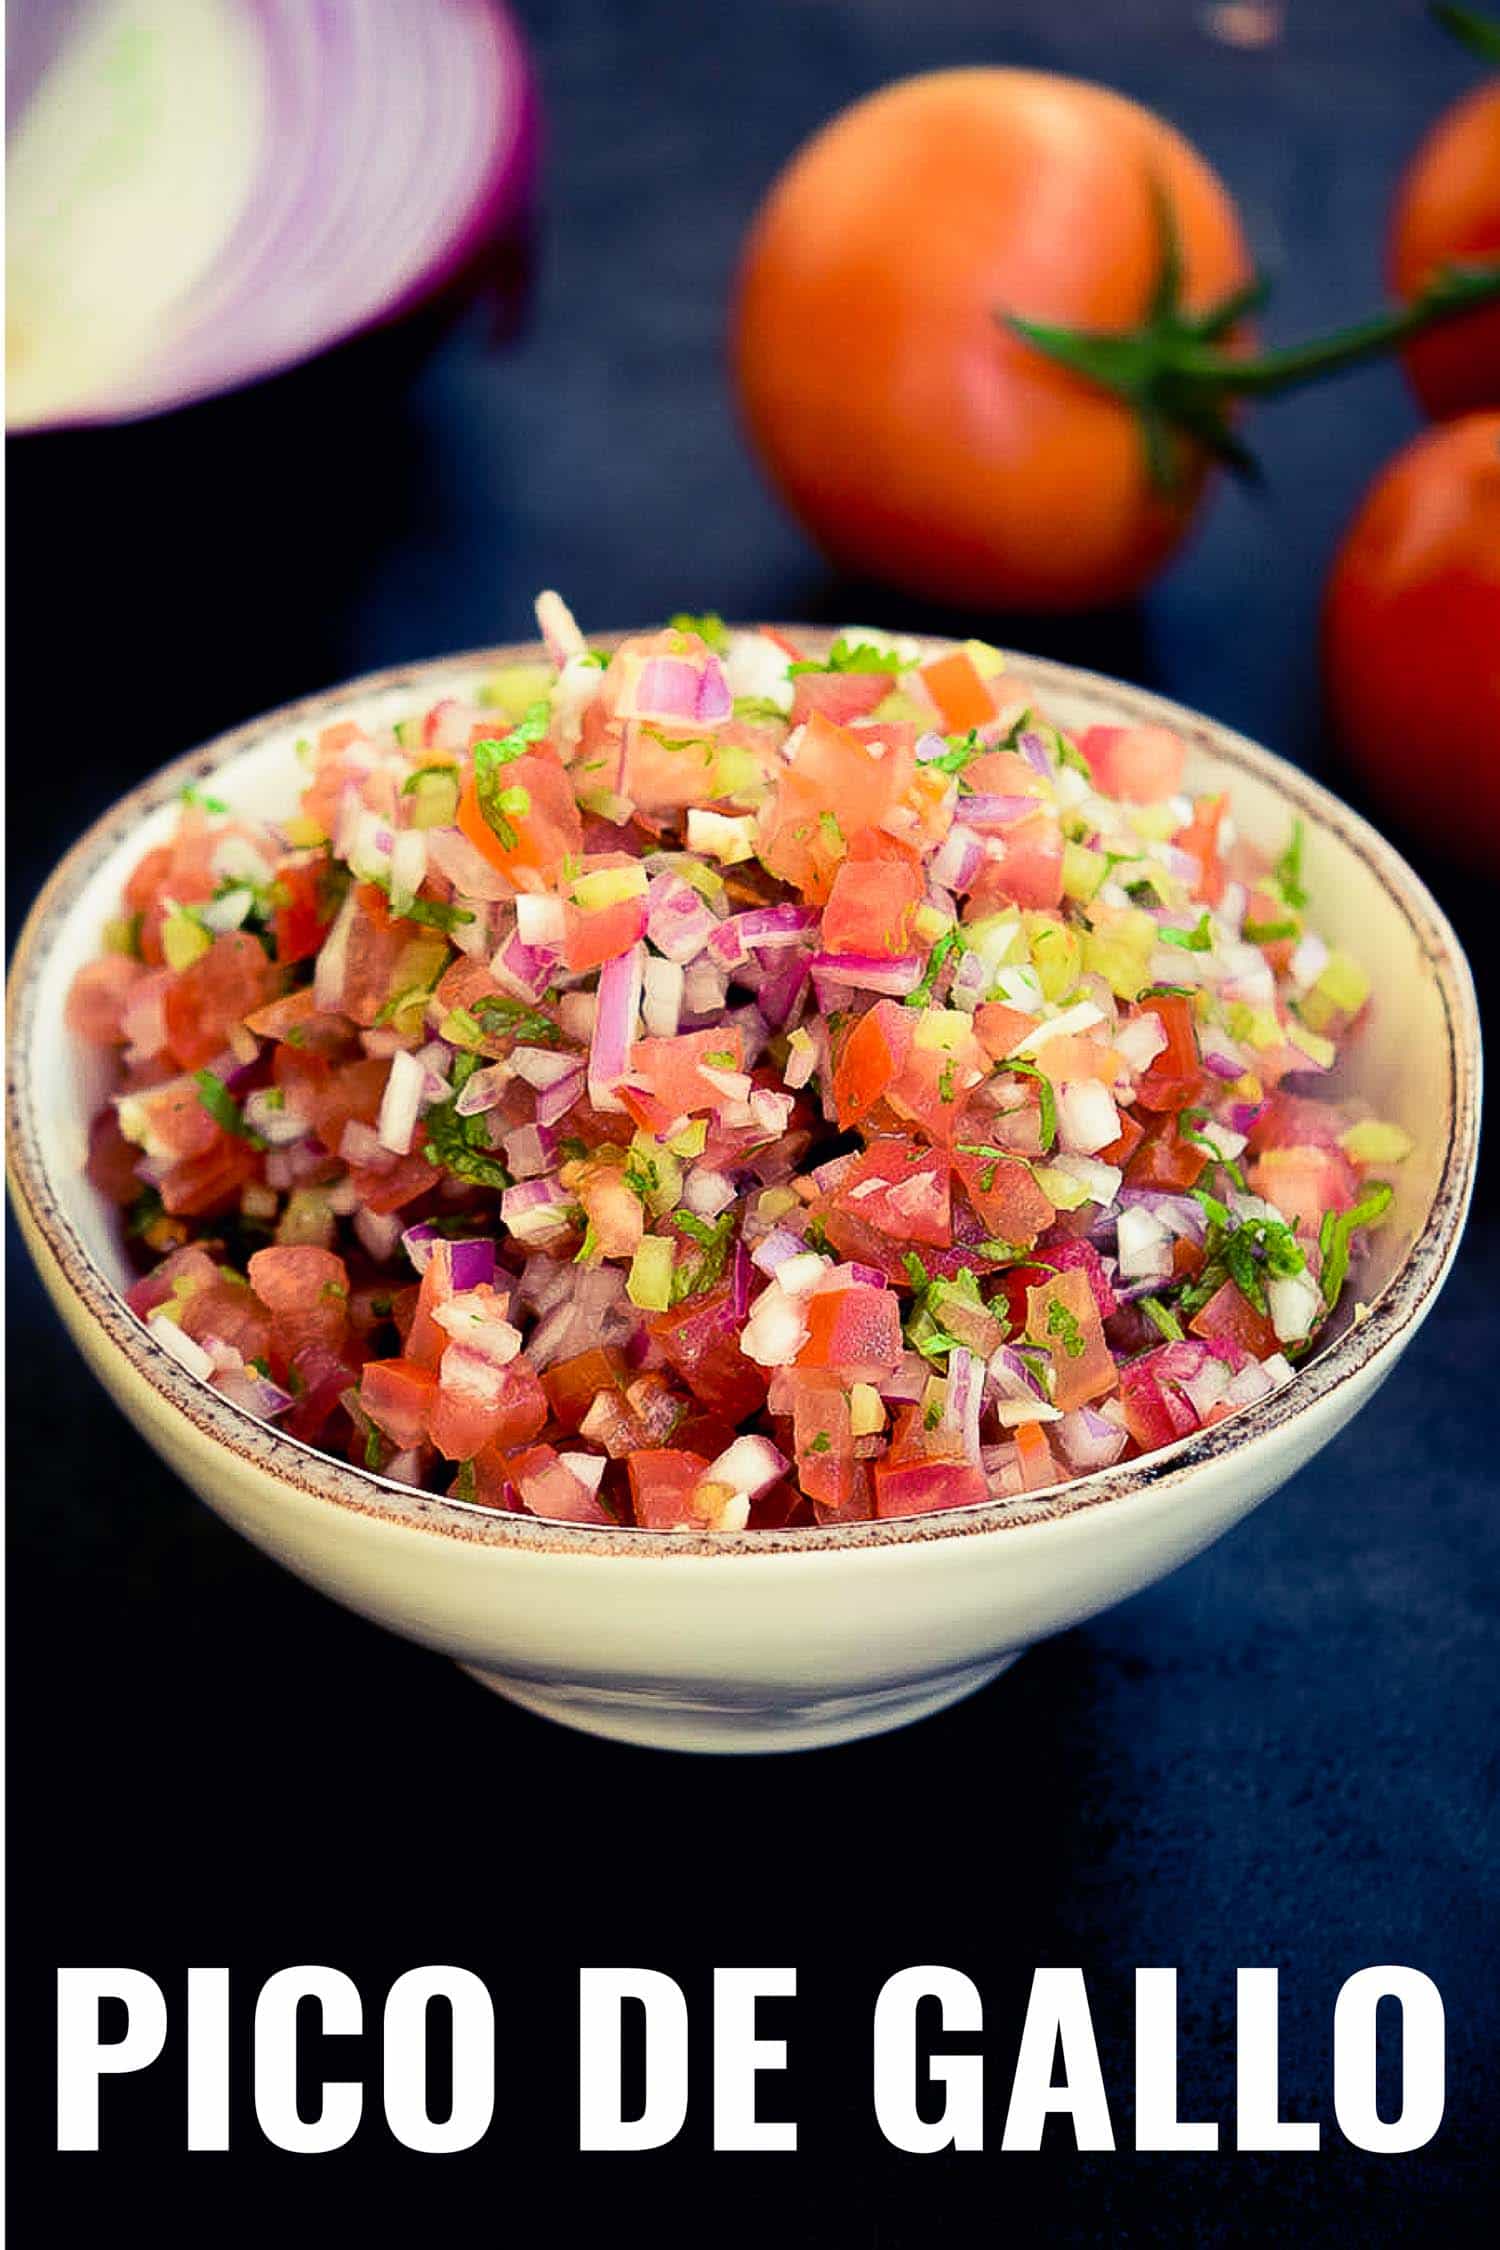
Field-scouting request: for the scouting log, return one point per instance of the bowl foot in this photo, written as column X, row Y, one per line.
column 666, row 1719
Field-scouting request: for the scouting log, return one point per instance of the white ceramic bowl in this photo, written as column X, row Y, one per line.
column 755, row 1641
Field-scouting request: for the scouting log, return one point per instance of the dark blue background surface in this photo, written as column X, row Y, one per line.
column 1284, row 1755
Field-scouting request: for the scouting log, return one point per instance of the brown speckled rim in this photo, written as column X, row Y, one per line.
column 1396, row 1311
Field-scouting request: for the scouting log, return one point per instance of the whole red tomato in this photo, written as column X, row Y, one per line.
column 915, row 437
column 1412, row 637
column 1447, row 212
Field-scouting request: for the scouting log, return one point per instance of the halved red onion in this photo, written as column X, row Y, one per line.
column 309, row 174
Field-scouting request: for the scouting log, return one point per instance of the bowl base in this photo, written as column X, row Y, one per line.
column 662, row 1719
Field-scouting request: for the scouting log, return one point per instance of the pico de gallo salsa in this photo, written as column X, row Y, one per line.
column 708, row 1085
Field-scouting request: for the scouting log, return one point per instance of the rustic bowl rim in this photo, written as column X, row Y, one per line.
column 1162, row 1476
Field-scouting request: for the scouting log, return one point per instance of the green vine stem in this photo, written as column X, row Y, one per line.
column 1180, row 376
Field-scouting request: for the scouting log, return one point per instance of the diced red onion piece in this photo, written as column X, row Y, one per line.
column 541, row 919
column 530, row 1151
column 400, row 1103
column 661, row 998
column 463, row 865
column 870, row 972
column 1087, row 1119
column 751, row 1466
column 559, row 628
column 380, row 1232
column 524, row 970
column 554, row 1102
column 484, row 1091
column 621, row 984
column 1088, row 1440
column 706, row 1193
column 986, row 814
column 957, row 859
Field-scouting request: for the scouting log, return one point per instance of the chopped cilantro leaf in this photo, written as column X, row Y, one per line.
column 1199, row 939
column 949, row 942
column 1288, row 869
column 710, row 629
column 1336, row 1237
column 852, row 656
column 1164, row 1321
column 1064, row 1325
column 223, row 1108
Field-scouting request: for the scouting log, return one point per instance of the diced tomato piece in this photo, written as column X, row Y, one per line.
column 199, row 1187
column 1126, row 1141
column 98, row 998
column 1201, row 838
column 572, row 1385
column 398, row 1184
column 822, row 1442
column 112, row 1160
column 1305, row 1182
column 399, row 1398
column 902, row 1189
column 1001, row 1029
column 1164, row 1159
column 1062, row 1317
column 480, row 1404
column 839, row 696
column 1155, row 1411
column 855, row 1331
column 549, row 1488
column 1035, row 1458
column 182, row 1276
column 663, row 1480
column 1066, row 1253
column 319, row 1377
column 1140, row 764
column 870, row 907
column 872, row 1053
column 1296, row 1121
column 1005, row 1194
column 594, row 938
column 1175, row 1076
column 230, row 1312
column 673, row 1068
column 858, row 777
column 427, row 1338
column 962, row 698
column 302, row 919
column 545, row 829
column 919, row 1487
column 295, row 1019
column 1027, row 873
column 701, row 1338
column 212, row 997
column 1229, row 1317
column 306, row 1292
